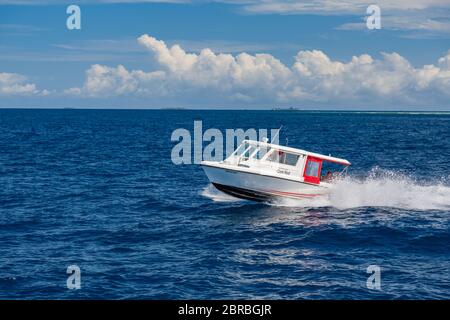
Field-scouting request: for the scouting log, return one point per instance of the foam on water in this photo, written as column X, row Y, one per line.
column 211, row 192
column 381, row 188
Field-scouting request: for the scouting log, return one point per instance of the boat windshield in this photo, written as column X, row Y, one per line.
column 240, row 150
column 251, row 150
column 262, row 151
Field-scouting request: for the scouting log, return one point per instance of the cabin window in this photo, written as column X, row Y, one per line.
column 312, row 170
column 283, row 157
column 274, row 156
column 291, row 159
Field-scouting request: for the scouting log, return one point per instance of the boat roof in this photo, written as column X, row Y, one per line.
column 300, row 151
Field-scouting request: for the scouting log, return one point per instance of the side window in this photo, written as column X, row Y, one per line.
column 312, row 170
column 273, row 156
column 283, row 157
column 291, row 159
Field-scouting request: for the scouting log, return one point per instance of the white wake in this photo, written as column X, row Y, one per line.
column 212, row 193
column 382, row 189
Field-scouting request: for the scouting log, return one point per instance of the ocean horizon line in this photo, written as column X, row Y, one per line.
column 405, row 111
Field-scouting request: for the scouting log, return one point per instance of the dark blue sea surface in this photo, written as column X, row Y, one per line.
column 97, row 189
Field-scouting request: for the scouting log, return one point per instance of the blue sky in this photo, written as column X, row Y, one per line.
column 319, row 56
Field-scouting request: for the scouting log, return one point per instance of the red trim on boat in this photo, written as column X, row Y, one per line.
column 312, row 179
column 297, row 194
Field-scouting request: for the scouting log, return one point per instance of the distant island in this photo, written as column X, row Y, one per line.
column 285, row 109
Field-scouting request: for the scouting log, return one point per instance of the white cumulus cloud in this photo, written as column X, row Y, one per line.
column 15, row 84
column 227, row 79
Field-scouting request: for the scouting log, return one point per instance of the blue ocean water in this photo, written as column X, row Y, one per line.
column 97, row 188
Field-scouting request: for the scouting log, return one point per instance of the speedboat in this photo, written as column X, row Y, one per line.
column 263, row 171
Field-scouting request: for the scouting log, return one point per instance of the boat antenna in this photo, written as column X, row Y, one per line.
column 276, row 134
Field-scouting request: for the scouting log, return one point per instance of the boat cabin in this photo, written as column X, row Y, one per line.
column 287, row 162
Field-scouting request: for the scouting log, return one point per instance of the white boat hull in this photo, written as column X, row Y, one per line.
column 259, row 187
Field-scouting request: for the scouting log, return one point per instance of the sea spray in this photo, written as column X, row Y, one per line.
column 384, row 188
column 379, row 188
column 211, row 192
